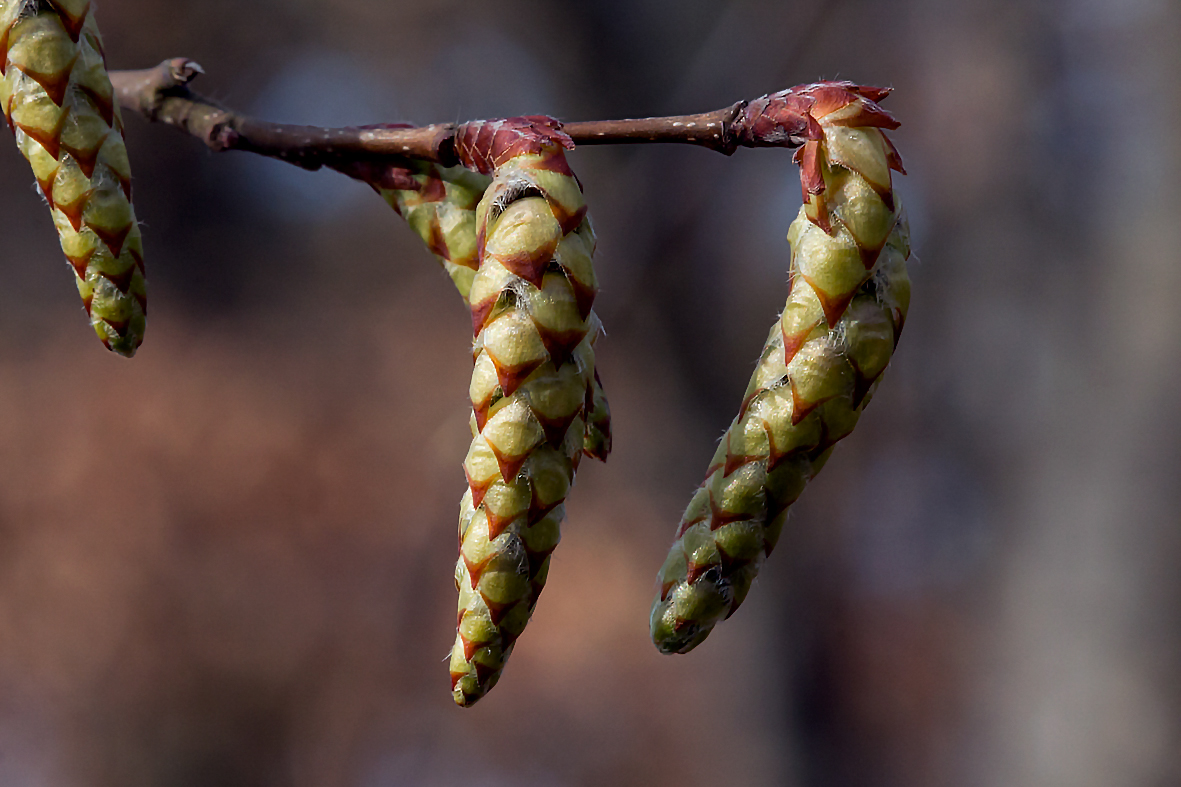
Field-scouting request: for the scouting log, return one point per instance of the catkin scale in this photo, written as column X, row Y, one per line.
column 823, row 358
column 531, row 388
column 59, row 103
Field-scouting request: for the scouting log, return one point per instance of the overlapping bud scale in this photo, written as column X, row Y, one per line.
column 532, row 385
column 439, row 203
column 823, row 358
column 58, row 101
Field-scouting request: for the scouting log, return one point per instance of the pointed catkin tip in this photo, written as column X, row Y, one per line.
column 125, row 349
column 124, row 344
column 673, row 636
column 463, row 699
column 470, row 683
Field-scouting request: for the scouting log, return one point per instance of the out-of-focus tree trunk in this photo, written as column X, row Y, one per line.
column 1078, row 680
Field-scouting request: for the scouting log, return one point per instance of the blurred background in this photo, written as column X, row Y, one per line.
column 229, row 561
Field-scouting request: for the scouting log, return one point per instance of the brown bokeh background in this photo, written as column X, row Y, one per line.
column 228, row 562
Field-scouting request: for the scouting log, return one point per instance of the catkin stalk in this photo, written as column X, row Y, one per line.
column 61, row 108
column 822, row 361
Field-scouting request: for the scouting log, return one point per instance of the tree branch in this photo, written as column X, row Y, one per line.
column 162, row 94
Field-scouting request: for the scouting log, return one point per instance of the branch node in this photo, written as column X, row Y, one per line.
column 731, row 138
column 223, row 136
column 182, row 71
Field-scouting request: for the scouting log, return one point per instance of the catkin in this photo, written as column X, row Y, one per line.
column 61, row 108
column 533, row 368
column 440, row 206
column 439, row 203
column 822, row 361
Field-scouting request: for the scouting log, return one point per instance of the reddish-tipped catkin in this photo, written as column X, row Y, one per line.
column 58, row 100
column 533, row 379
column 439, row 203
column 823, row 359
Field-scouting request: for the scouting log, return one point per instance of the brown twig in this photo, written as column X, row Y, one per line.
column 162, row 94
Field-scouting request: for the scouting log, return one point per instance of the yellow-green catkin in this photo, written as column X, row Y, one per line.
column 441, row 209
column 58, row 101
column 822, row 361
column 534, row 366
column 439, row 203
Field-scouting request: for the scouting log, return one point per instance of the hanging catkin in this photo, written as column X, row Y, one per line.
column 847, row 302
column 59, row 103
column 534, row 364
column 439, row 203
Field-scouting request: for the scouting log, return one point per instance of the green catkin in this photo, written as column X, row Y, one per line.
column 822, row 361
column 441, row 209
column 533, row 367
column 60, row 105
